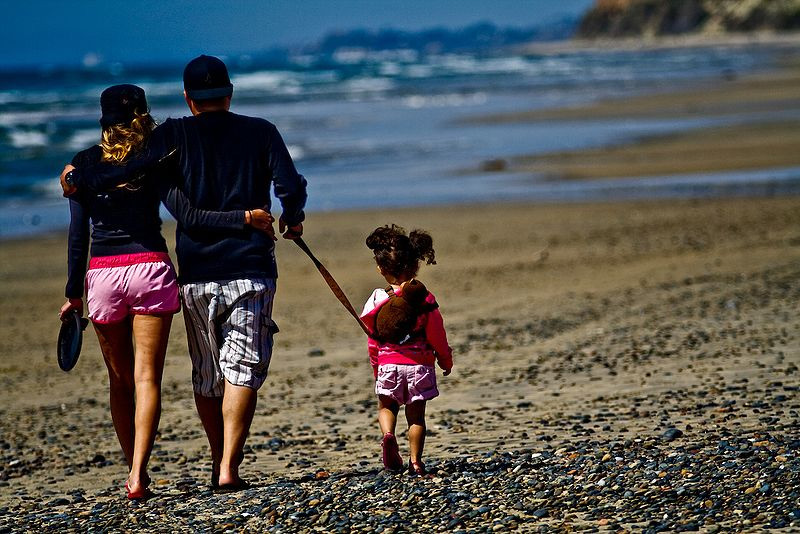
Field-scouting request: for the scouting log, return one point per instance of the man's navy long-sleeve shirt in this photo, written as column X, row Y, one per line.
column 223, row 162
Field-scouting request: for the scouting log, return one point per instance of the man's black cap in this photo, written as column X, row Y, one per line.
column 121, row 103
column 206, row 77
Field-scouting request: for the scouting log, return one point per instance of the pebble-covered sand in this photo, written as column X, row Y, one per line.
column 619, row 367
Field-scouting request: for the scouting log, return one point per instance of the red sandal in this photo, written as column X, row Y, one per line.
column 416, row 468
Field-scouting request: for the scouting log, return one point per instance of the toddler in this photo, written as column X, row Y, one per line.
column 408, row 336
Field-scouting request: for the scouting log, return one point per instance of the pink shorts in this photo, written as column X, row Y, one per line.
column 406, row 383
column 131, row 284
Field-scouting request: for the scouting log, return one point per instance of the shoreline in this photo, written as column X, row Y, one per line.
column 754, row 126
column 611, row 190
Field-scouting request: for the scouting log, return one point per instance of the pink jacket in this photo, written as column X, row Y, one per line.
column 423, row 351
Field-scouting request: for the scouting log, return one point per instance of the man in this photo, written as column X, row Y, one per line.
column 222, row 161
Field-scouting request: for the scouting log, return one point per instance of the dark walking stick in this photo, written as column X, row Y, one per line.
column 332, row 284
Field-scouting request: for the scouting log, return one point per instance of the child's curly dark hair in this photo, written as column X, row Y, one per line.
column 399, row 254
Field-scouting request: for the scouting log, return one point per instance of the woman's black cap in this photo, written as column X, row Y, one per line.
column 206, row 77
column 121, row 103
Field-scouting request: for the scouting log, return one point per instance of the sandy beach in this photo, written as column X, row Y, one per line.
column 578, row 331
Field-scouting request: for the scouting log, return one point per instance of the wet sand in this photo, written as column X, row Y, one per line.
column 746, row 147
column 761, row 115
column 583, row 335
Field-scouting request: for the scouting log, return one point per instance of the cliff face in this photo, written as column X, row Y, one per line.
column 629, row 18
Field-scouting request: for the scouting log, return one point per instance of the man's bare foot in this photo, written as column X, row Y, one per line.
column 229, row 477
column 238, row 485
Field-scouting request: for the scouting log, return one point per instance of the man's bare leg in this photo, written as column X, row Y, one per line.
column 210, row 411
column 238, row 407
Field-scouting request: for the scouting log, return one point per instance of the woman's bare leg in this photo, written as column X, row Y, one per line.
column 415, row 415
column 151, row 333
column 115, row 342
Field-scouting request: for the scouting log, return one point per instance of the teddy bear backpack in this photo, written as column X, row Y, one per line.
column 396, row 320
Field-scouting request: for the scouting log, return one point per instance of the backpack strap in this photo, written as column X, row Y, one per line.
column 426, row 306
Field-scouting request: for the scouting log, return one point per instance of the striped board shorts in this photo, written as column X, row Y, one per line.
column 230, row 328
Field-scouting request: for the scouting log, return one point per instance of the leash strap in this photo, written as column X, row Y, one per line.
column 337, row 291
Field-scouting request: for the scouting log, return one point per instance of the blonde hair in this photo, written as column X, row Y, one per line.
column 120, row 140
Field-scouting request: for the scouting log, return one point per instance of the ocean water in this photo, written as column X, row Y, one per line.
column 373, row 129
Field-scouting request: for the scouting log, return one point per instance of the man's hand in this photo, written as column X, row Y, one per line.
column 262, row 221
column 290, row 232
column 446, row 372
column 66, row 309
column 68, row 189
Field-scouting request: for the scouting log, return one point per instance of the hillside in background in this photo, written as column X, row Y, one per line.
column 478, row 37
column 647, row 18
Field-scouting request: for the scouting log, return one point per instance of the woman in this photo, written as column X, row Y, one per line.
column 132, row 291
